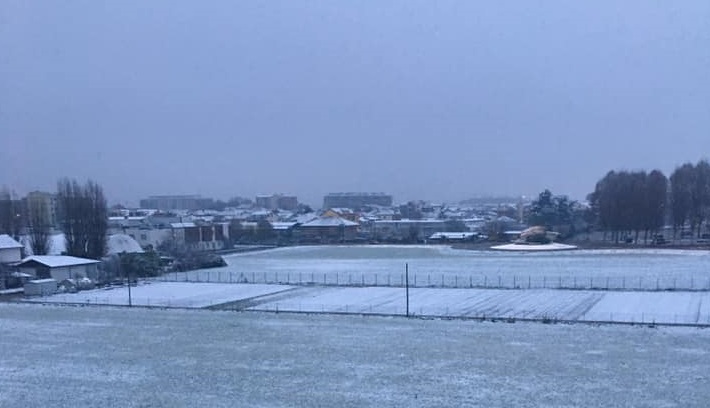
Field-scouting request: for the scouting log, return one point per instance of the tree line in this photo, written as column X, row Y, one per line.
column 630, row 203
column 627, row 204
column 82, row 215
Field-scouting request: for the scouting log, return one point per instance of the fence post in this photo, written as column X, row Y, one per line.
column 544, row 282
column 499, row 281
column 442, row 281
column 470, row 281
column 428, row 279
column 692, row 286
column 528, row 281
column 362, row 279
column 607, row 283
column 337, row 278
column 375, row 279
column 324, row 278
column 456, row 281
column 623, row 282
column 591, row 282
column 559, row 283
column 640, row 286
column 514, row 284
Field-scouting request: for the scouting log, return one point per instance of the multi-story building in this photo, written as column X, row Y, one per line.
column 356, row 201
column 176, row 202
column 277, row 202
column 44, row 207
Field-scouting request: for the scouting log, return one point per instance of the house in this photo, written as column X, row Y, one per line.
column 406, row 229
column 59, row 267
column 10, row 250
column 328, row 230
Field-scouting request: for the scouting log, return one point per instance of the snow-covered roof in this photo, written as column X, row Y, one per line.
column 329, row 222
column 182, row 224
column 408, row 221
column 57, row 261
column 7, row 242
column 453, row 235
column 119, row 243
column 283, row 225
column 39, row 281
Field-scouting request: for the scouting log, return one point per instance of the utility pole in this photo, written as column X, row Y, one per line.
column 406, row 284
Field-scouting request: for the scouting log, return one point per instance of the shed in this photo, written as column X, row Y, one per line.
column 59, row 267
column 41, row 287
column 10, row 250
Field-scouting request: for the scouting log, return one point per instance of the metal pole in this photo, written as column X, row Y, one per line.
column 130, row 301
column 406, row 274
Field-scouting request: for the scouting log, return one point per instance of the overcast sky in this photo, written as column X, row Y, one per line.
column 434, row 100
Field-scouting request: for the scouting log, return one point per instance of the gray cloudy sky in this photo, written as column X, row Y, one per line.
column 438, row 100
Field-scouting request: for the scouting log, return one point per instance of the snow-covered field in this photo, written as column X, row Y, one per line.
column 569, row 305
column 166, row 294
column 441, row 266
column 91, row 357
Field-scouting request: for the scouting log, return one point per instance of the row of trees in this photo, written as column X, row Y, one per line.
column 690, row 196
column 628, row 203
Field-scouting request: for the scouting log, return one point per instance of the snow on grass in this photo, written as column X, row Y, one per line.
column 167, row 294
column 109, row 357
column 665, row 307
column 659, row 307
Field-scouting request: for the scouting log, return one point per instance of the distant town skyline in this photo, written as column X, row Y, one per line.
column 437, row 101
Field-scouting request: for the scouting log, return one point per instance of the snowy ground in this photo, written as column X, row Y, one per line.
column 168, row 294
column 90, row 357
column 440, row 266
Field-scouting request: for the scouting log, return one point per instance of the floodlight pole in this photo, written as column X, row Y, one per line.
column 406, row 285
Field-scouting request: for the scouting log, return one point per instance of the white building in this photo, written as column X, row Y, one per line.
column 59, row 267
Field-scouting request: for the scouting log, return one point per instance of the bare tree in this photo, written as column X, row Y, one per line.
column 83, row 217
column 39, row 228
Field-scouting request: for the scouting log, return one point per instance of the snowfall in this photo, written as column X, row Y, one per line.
column 119, row 357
